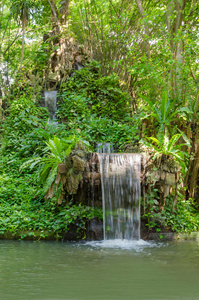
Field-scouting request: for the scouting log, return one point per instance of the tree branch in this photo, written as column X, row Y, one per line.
column 53, row 11
column 8, row 47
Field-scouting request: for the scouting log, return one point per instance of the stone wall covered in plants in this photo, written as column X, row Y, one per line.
column 81, row 179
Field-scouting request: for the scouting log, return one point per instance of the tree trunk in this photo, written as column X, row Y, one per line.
column 193, row 169
column 59, row 18
column 54, row 17
column 194, row 175
column 64, row 11
column 23, row 44
column 24, row 23
column 176, row 44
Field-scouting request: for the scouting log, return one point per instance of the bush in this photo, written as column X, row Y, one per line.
column 44, row 218
column 97, row 108
column 185, row 218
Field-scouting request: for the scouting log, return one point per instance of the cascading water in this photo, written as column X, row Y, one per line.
column 120, row 179
column 51, row 103
column 104, row 148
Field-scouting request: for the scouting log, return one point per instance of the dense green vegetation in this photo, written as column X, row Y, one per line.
column 140, row 88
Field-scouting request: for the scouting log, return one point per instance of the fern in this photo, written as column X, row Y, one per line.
column 163, row 111
column 54, row 153
column 162, row 145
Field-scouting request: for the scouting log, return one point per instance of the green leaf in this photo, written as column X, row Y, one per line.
column 173, row 140
column 163, row 105
column 49, row 180
column 149, row 102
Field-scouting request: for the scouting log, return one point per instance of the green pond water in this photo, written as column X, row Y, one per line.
column 99, row 271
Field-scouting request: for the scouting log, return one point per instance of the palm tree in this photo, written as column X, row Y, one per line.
column 59, row 17
column 20, row 10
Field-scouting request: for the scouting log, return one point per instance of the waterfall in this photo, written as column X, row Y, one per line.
column 51, row 103
column 120, row 179
column 104, row 148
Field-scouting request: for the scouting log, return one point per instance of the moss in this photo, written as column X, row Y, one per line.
column 78, row 164
column 73, row 181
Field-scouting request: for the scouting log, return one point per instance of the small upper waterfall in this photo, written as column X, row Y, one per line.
column 51, row 103
column 120, row 179
column 104, row 148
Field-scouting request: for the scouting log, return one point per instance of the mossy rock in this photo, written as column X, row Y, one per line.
column 80, row 153
column 72, row 183
column 78, row 164
column 68, row 162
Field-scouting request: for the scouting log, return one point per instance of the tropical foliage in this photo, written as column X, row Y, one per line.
column 141, row 85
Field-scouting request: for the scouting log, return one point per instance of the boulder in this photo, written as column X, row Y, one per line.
column 170, row 179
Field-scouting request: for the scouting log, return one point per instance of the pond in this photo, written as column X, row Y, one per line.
column 99, row 271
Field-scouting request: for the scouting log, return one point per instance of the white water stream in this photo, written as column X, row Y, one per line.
column 51, row 103
column 104, row 148
column 120, row 179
